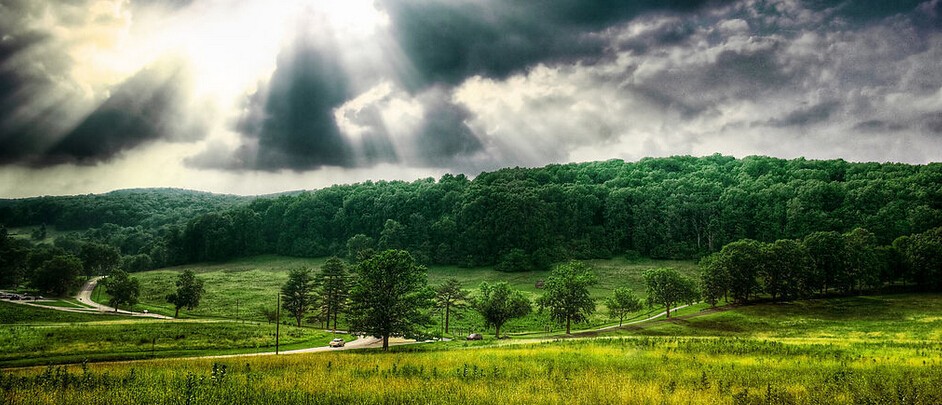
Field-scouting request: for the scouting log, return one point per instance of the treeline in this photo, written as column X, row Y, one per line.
column 519, row 219
column 146, row 208
column 819, row 264
column 55, row 270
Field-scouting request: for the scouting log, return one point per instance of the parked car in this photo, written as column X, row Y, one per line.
column 475, row 336
column 338, row 342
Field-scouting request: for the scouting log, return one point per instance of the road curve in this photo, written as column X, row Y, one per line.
column 85, row 297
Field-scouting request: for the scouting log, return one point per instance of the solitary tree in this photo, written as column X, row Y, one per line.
column 123, row 289
column 450, row 297
column 390, row 296
column 498, row 303
column 298, row 293
column 667, row 287
column 622, row 302
column 188, row 293
column 567, row 293
column 334, row 288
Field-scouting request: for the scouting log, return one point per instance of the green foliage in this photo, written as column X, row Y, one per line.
column 515, row 260
column 450, row 299
column 922, row 254
column 358, row 247
column 58, row 276
column 299, row 293
column 123, row 290
column 390, row 296
column 188, row 293
column 567, row 293
column 667, row 287
column 98, row 259
column 334, row 285
column 498, row 303
column 621, row 303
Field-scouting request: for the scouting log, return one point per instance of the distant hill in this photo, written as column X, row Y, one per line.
column 146, row 207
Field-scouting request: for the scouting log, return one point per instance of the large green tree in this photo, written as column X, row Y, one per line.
column 334, row 284
column 622, row 302
column 188, row 293
column 498, row 303
column 298, row 294
column 667, row 287
column 390, row 296
column 124, row 290
column 58, row 276
column 566, row 293
column 450, row 298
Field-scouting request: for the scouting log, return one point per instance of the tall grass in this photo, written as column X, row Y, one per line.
column 651, row 370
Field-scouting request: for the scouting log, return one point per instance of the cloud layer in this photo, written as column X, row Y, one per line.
column 435, row 85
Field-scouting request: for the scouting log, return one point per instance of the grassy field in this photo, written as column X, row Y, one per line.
column 242, row 288
column 887, row 318
column 879, row 349
column 647, row 370
column 39, row 336
column 23, row 314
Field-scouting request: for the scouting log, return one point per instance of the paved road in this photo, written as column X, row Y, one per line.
column 85, row 296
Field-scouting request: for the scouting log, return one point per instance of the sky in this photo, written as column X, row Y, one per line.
column 258, row 96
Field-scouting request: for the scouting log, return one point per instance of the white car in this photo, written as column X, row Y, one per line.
column 338, row 342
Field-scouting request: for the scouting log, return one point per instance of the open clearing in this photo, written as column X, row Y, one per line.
column 833, row 351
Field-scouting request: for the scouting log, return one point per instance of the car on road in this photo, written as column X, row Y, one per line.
column 338, row 342
column 475, row 336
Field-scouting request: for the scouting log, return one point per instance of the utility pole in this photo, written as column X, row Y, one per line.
column 237, row 310
column 277, row 323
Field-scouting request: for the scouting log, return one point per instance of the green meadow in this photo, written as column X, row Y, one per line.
column 30, row 336
column 243, row 288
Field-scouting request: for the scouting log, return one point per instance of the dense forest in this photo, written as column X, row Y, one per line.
column 678, row 207
column 516, row 218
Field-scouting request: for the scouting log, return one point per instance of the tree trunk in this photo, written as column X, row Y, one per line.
column 298, row 318
column 497, row 332
column 447, row 316
column 177, row 313
column 335, row 318
column 568, row 321
column 327, row 325
column 668, row 311
column 621, row 319
column 385, row 342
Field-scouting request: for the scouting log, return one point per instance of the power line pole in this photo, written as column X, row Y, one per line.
column 277, row 323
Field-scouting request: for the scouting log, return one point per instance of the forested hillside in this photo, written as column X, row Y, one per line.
column 678, row 207
column 148, row 208
column 516, row 219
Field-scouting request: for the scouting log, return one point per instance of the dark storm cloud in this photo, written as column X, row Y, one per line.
column 879, row 126
column 291, row 120
column 806, row 116
column 449, row 41
column 444, row 136
column 147, row 107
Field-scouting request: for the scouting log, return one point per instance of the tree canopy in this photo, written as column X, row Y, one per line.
column 188, row 293
column 390, row 296
column 566, row 293
column 498, row 303
column 667, row 288
column 123, row 289
column 298, row 294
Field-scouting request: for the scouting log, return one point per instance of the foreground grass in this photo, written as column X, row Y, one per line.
column 612, row 371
